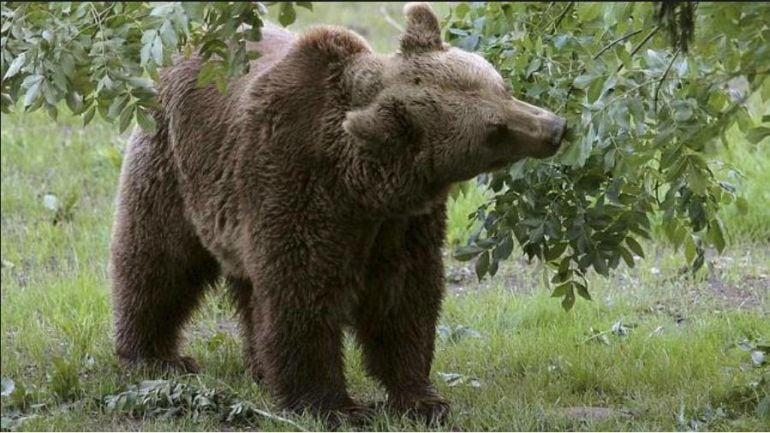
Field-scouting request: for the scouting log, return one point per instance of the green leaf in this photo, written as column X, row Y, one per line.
column 221, row 83
column 562, row 276
column 717, row 101
column 742, row 204
column 536, row 234
column 214, row 46
column 555, row 251
column 117, row 106
column 634, row 246
column 157, row 51
column 755, row 135
column 146, row 121
column 716, row 236
column 600, row 265
column 482, row 265
column 683, row 112
column 462, row 10
column 287, row 14
column 89, row 114
column 167, row 34
column 696, row 180
column 208, row 73
column 503, row 250
column 49, row 93
column 569, row 300
column 486, row 243
column 583, row 81
column 689, row 249
column 75, row 102
column 148, row 39
column 15, row 65
column 763, row 408
column 125, row 117
column 765, row 90
column 745, row 124
column 589, row 11
column 655, row 60
column 562, row 290
column 595, row 91
column 467, row 252
column 627, row 256
column 583, row 291
column 33, row 92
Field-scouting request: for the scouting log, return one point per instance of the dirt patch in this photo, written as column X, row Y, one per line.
column 227, row 325
column 744, row 295
column 516, row 276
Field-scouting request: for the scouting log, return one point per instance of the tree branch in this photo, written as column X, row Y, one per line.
column 660, row 82
column 641, row 44
column 561, row 16
column 597, row 55
column 615, row 42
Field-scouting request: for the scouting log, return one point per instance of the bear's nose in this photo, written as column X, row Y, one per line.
column 558, row 128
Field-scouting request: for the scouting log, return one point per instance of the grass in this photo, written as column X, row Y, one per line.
column 508, row 357
column 746, row 166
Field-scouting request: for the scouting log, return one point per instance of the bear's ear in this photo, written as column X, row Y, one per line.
column 384, row 122
column 422, row 33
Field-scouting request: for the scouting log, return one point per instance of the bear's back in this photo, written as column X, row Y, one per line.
column 270, row 128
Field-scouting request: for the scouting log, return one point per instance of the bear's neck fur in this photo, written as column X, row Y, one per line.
column 363, row 78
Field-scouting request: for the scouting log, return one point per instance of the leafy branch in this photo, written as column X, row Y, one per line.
column 174, row 398
column 662, row 79
column 105, row 57
column 635, row 159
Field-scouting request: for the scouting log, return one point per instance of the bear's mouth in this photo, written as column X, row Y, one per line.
column 498, row 164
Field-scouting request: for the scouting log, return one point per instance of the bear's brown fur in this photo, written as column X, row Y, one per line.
column 316, row 187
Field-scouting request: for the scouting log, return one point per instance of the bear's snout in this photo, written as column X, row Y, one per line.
column 558, row 129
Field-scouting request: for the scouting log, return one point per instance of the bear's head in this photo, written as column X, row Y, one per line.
column 449, row 110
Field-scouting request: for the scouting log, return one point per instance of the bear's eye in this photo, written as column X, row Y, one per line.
column 499, row 135
column 417, row 81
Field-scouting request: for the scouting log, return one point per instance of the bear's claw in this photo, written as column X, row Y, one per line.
column 431, row 408
column 187, row 364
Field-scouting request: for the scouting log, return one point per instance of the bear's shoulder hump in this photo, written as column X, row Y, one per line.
column 331, row 43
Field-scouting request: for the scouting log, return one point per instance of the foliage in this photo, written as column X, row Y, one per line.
column 642, row 114
column 174, row 398
column 97, row 56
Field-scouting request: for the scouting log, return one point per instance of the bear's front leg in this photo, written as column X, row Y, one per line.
column 303, row 300
column 396, row 318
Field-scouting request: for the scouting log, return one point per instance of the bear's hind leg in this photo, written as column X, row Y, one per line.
column 159, row 268
column 249, row 314
column 152, row 305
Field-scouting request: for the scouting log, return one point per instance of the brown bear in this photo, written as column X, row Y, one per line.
column 316, row 186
